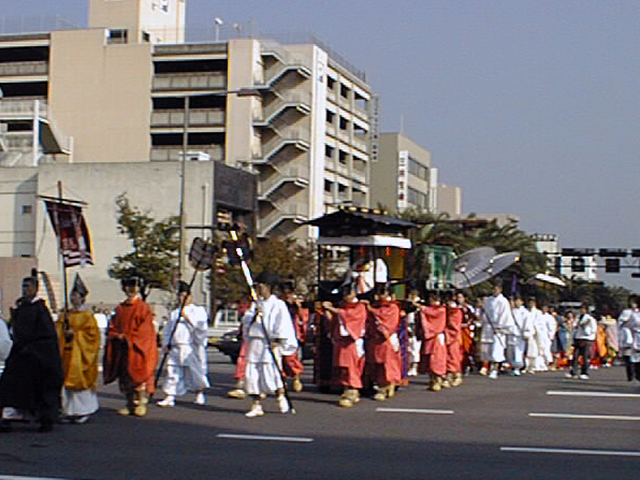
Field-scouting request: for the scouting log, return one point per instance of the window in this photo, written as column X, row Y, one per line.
column 146, row 37
column 330, row 116
column 328, row 186
column 417, row 198
column 331, row 83
column 344, row 123
column 342, row 157
column 117, row 36
column 344, row 91
column 418, row 170
column 328, row 151
column 27, row 209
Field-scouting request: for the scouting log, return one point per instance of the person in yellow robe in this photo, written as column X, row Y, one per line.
column 79, row 339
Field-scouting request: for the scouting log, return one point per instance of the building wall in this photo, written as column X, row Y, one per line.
column 151, row 187
column 100, row 95
column 449, row 199
column 244, row 68
column 12, row 271
column 18, row 203
column 392, row 178
column 162, row 19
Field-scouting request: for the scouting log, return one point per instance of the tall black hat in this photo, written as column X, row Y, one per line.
column 268, row 278
column 79, row 287
column 183, row 286
column 132, row 280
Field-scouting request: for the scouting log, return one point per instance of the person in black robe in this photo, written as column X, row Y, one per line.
column 32, row 378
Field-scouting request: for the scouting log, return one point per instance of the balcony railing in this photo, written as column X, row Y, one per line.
column 23, row 68
column 288, row 136
column 197, row 118
column 302, row 100
column 17, row 108
column 299, row 175
column 293, row 211
column 189, row 81
column 18, row 141
column 174, row 153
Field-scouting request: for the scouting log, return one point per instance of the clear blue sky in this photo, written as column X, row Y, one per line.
column 531, row 106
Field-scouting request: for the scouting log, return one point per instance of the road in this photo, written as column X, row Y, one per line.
column 541, row 427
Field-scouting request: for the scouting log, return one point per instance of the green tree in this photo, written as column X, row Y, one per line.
column 283, row 256
column 155, row 247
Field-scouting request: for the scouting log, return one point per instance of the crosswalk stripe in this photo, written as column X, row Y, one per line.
column 571, row 393
column 586, row 417
column 572, row 451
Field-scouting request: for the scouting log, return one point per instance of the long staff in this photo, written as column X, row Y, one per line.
column 254, row 297
column 201, row 256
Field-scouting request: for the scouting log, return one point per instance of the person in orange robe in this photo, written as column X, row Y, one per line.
column 383, row 342
column 348, row 328
column 132, row 350
column 453, row 337
column 433, row 319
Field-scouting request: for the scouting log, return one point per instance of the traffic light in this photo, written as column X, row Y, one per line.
column 612, row 265
column 577, row 264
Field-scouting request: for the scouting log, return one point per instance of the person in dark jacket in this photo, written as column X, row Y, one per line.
column 32, row 378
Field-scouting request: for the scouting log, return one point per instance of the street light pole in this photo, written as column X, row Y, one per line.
column 185, row 146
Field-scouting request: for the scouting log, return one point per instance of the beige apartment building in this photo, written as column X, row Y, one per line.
column 128, row 89
column 403, row 176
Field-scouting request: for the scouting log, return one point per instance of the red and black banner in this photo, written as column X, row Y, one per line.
column 72, row 232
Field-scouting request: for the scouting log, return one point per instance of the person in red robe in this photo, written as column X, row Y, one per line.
column 453, row 337
column 238, row 391
column 433, row 320
column 131, row 354
column 292, row 365
column 384, row 345
column 347, row 334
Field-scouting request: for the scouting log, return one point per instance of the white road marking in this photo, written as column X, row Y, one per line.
column 266, row 438
column 593, row 394
column 15, row 477
column 571, row 451
column 415, row 410
column 586, row 417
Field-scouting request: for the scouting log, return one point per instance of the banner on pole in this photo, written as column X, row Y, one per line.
column 72, row 233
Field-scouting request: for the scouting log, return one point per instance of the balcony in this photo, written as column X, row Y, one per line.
column 23, row 69
column 190, row 81
column 174, row 153
column 298, row 176
column 197, row 118
column 19, row 108
column 19, row 141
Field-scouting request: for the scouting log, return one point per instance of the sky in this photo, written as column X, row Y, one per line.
column 532, row 107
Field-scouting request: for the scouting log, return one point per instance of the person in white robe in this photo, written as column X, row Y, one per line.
column 262, row 374
column 550, row 326
column 5, row 343
column 186, row 362
column 535, row 353
column 518, row 339
column 629, row 339
column 497, row 323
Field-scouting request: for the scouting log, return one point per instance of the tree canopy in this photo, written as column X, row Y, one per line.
column 155, row 247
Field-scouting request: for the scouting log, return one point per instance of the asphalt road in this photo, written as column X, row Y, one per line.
column 541, row 427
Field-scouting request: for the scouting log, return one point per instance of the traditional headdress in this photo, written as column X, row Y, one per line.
column 79, row 287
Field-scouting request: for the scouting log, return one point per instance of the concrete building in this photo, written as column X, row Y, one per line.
column 116, row 106
column 128, row 89
column 403, row 176
column 583, row 267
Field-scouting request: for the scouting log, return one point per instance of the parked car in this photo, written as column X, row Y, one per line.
column 230, row 343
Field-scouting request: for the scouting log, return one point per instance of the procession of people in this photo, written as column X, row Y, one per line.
column 368, row 344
